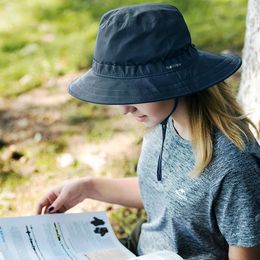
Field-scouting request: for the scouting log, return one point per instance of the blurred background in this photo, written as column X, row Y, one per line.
column 46, row 136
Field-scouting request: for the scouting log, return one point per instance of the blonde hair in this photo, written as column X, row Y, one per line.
column 216, row 107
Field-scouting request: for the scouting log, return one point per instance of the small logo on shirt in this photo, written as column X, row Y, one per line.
column 181, row 193
column 173, row 66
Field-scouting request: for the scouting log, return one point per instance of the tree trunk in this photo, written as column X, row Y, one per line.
column 249, row 91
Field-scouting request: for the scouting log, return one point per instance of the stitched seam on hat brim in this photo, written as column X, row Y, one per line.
column 169, row 72
column 101, row 99
column 117, row 103
column 154, row 98
column 178, row 84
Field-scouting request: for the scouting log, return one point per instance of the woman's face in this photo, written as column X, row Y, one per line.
column 151, row 113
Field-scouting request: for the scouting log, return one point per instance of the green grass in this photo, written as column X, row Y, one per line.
column 44, row 39
column 9, row 176
column 78, row 112
column 40, row 40
column 92, row 120
column 121, row 167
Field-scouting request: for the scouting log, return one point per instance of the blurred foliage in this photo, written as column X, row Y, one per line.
column 121, row 167
column 9, row 175
column 44, row 39
column 124, row 220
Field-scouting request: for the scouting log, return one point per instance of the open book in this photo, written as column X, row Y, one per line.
column 86, row 236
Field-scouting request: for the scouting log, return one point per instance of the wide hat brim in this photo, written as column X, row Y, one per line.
column 208, row 70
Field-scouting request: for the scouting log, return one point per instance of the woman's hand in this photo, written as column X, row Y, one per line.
column 121, row 191
column 64, row 197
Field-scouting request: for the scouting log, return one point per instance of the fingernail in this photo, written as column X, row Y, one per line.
column 50, row 209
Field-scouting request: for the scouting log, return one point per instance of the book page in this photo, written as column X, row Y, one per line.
column 160, row 255
column 76, row 236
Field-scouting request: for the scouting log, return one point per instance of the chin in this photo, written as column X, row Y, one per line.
column 150, row 124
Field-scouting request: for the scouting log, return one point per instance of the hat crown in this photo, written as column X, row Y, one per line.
column 140, row 34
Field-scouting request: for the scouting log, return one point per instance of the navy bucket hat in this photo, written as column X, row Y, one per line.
column 144, row 53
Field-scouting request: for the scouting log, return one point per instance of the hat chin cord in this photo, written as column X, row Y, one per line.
column 164, row 127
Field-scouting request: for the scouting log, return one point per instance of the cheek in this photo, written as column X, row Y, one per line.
column 160, row 112
column 155, row 112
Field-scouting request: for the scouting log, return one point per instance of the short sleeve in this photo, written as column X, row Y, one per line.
column 237, row 206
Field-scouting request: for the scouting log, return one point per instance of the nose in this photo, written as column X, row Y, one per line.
column 127, row 108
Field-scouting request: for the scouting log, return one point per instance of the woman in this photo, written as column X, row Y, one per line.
column 198, row 172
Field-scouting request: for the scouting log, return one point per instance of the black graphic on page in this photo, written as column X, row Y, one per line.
column 97, row 222
column 101, row 230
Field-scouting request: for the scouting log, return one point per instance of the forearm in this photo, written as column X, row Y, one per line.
column 244, row 253
column 122, row 191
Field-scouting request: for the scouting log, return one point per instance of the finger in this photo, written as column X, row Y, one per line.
column 61, row 210
column 40, row 206
column 46, row 201
column 46, row 209
column 58, row 204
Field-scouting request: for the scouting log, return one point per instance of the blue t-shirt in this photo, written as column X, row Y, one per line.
column 198, row 217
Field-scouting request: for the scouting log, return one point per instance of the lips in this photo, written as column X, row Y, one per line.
column 140, row 118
